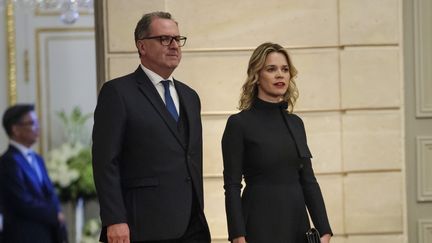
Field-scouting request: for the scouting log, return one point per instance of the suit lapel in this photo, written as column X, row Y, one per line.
column 47, row 186
column 149, row 90
column 28, row 170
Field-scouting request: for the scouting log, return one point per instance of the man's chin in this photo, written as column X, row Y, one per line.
column 173, row 65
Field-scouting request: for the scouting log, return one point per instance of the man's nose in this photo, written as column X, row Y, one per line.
column 174, row 44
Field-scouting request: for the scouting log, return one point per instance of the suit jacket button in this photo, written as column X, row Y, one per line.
column 188, row 179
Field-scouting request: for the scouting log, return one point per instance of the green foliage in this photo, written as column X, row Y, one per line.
column 74, row 124
column 70, row 165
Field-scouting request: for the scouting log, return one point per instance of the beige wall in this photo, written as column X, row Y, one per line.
column 348, row 54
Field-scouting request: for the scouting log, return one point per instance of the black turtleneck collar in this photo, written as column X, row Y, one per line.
column 265, row 105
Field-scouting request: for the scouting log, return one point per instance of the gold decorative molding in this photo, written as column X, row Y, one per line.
column 26, row 66
column 11, row 52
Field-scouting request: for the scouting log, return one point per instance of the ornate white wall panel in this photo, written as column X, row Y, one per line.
column 425, row 230
column 66, row 75
column 423, row 57
column 424, row 168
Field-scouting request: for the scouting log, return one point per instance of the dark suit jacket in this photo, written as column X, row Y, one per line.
column 144, row 172
column 30, row 207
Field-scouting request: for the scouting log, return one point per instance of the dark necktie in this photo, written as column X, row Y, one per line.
column 169, row 101
column 35, row 166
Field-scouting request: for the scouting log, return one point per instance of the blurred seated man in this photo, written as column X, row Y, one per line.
column 31, row 210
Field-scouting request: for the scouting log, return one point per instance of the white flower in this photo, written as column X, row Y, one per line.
column 57, row 164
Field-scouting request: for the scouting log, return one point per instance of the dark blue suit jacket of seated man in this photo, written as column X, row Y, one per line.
column 30, row 206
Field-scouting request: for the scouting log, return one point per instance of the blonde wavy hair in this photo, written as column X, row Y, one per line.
column 256, row 64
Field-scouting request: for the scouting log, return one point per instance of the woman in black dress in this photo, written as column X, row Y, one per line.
column 266, row 144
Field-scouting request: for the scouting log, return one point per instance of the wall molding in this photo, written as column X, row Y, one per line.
column 425, row 230
column 41, row 48
column 422, row 52
column 424, row 168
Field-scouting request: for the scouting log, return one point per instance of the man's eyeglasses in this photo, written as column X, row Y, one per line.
column 166, row 40
column 27, row 123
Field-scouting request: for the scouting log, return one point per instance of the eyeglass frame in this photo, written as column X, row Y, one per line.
column 177, row 38
column 27, row 123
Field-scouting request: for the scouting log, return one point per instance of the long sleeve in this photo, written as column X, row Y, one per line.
column 233, row 153
column 108, row 133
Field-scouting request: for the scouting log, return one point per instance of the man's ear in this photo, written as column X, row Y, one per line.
column 141, row 47
column 15, row 131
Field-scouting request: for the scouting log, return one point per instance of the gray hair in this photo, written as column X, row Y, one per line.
column 142, row 28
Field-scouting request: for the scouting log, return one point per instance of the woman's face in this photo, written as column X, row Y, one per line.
column 273, row 78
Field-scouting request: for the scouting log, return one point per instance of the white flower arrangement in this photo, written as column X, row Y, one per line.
column 57, row 164
column 69, row 165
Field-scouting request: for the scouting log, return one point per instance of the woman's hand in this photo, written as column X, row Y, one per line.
column 240, row 239
column 325, row 238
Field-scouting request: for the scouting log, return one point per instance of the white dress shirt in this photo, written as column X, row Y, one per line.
column 156, row 80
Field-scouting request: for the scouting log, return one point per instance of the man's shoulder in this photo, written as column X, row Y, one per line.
column 8, row 155
column 121, row 80
column 120, row 84
column 184, row 87
column 10, row 150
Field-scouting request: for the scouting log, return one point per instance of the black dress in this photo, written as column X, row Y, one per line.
column 267, row 146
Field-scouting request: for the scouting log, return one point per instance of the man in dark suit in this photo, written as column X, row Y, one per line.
column 31, row 207
column 147, row 146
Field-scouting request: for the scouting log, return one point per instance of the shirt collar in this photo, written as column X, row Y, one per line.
column 23, row 149
column 154, row 77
